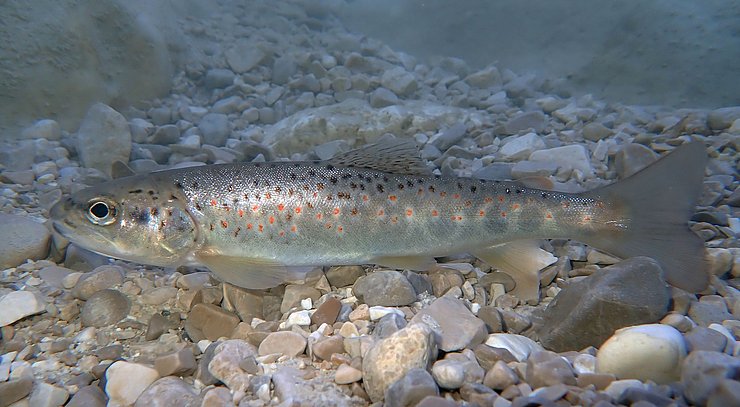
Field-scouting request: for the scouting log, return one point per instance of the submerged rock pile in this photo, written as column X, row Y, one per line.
column 82, row 330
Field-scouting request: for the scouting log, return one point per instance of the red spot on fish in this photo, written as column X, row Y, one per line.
column 241, row 213
column 319, row 216
column 315, row 194
column 298, row 210
column 281, row 233
column 488, row 199
column 224, row 224
column 294, row 229
column 443, row 194
column 457, row 218
column 500, row 198
column 515, row 206
column 503, row 214
column 482, row 213
column 260, row 228
column 281, row 207
column 249, row 226
column 213, row 202
column 340, row 229
column 456, row 196
column 365, row 198
column 392, row 198
column 336, row 211
column 381, row 212
column 435, row 212
column 271, row 220
column 548, row 216
column 255, row 208
column 409, row 212
column 268, row 195
column 587, row 219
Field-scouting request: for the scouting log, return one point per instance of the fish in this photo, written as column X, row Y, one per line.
column 258, row 225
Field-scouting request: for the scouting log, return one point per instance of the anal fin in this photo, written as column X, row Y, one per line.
column 522, row 260
column 251, row 273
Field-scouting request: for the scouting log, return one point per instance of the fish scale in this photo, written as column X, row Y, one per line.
column 259, row 224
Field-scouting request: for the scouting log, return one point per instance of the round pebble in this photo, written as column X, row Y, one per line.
column 105, row 307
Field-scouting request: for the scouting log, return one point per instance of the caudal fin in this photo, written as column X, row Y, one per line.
column 659, row 201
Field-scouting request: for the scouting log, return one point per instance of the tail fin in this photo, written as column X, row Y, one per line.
column 659, row 201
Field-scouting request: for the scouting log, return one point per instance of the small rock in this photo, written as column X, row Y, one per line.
column 328, row 346
column 701, row 338
column 386, row 288
column 346, row 374
column 299, row 318
column 388, row 325
column 17, row 305
column 104, row 308
column 244, row 56
column 158, row 295
column 194, row 281
column 382, row 97
column 288, row 343
column 14, row 390
column 450, row 136
column 519, row 346
column 524, row 169
column 547, row 368
column 646, row 352
column 225, row 363
column 218, row 78
column 720, row 119
column 595, row 131
column 47, row 395
column 246, row 303
column 727, row 393
column 410, row 389
column 294, row 293
column 526, row 120
column 343, row 276
column 484, row 78
column 703, row 372
column 103, row 138
column 88, row 396
column 616, row 388
column 167, row 134
column 215, row 128
column 100, row 278
column 567, row 158
column 20, row 239
column 521, row 147
column 449, row 374
column 391, row 358
column 327, row 312
column 500, row 376
column 400, row 81
column 436, row 401
column 168, row 391
column 632, row 158
column 454, row 326
column 126, row 381
column 706, row 313
column 487, row 356
column 214, row 322
column 180, row 363
column 110, row 352
column 43, row 129
column 587, row 312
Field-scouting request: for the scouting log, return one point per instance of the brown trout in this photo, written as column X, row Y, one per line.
column 256, row 225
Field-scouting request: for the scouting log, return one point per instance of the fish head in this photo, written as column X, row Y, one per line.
column 130, row 219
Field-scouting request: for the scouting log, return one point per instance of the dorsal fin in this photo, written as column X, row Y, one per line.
column 390, row 155
column 119, row 169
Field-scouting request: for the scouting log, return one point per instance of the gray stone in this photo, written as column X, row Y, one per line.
column 167, row 134
column 387, row 288
column 727, row 393
column 703, row 372
column 484, row 78
column 526, row 120
column 595, row 131
column 382, row 97
column 246, row 303
column 102, row 277
column 411, row 388
column 705, row 313
column 632, row 158
column 18, row 177
column 521, row 147
column 19, row 156
column 454, row 326
column 218, row 78
column 523, row 169
column 587, row 312
column 701, row 338
column 160, row 115
column 500, row 376
column 420, row 282
column 45, row 129
column 20, row 239
column 180, row 363
column 450, row 136
column 391, row 358
column 126, row 381
column 400, row 81
column 47, row 395
column 88, row 396
column 166, row 392
column 105, row 307
column 388, row 325
column 294, row 293
column 287, row 343
column 215, row 129
column 547, row 368
column 244, row 56
column 283, row 68
column 14, row 390
column 720, row 119
column 225, row 363
column 567, row 158
column 103, row 138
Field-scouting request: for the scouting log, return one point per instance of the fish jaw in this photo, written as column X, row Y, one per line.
column 140, row 225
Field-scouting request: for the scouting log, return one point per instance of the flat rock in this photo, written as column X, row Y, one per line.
column 126, row 381
column 225, row 365
column 410, row 389
column 47, row 395
column 104, row 308
column 722, row 118
column 246, row 303
column 100, row 278
column 521, row 147
column 294, row 293
column 88, row 396
column 545, row 368
column 385, row 288
column 567, row 158
column 454, row 326
column 20, row 239
column 178, row 363
column 586, row 312
column 103, row 138
column 287, row 343
column 705, row 313
column 342, row 276
column 244, row 56
column 346, row 374
column 17, row 305
column 323, row 349
column 595, row 131
column 632, row 158
column 703, row 372
column 218, row 78
column 400, row 81
column 327, row 312
column 533, row 120
column 391, row 358
column 166, row 392
column 213, row 321
column 500, row 376
column 519, row 346
column 215, row 129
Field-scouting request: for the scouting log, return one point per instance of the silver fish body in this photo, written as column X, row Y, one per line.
column 252, row 223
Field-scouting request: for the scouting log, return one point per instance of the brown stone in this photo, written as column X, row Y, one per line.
column 327, row 347
column 327, row 312
column 246, row 303
column 488, row 356
column 14, row 390
column 178, row 363
column 214, row 322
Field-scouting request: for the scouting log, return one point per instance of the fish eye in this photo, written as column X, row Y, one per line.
column 101, row 212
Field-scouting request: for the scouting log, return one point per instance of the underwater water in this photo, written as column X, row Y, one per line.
column 556, row 100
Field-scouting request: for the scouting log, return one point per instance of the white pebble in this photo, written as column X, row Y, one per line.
column 519, row 346
column 306, row 303
column 17, row 305
column 644, row 352
column 378, row 312
column 301, row 318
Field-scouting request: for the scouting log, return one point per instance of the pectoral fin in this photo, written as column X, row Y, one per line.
column 522, row 260
column 416, row 263
column 250, row 272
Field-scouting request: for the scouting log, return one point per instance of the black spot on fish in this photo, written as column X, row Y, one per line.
column 437, row 176
column 278, row 189
column 333, row 180
column 230, row 187
column 544, row 194
column 353, row 185
column 431, row 188
column 410, row 183
column 135, row 191
column 154, row 211
column 518, row 191
column 385, row 178
column 329, row 167
column 169, row 212
column 140, row 216
column 272, row 165
column 368, row 179
column 508, row 191
column 320, row 186
column 312, row 173
column 235, row 200
column 150, row 192
column 292, row 175
column 400, row 186
column 257, row 165
column 236, row 232
column 178, row 185
column 459, row 185
column 380, row 188
column 473, row 188
column 173, row 197
column 211, row 227
column 296, row 165
column 255, row 183
column 197, row 206
column 195, row 185
column 346, row 176
column 362, row 187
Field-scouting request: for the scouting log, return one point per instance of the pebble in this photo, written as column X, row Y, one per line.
column 455, row 370
column 104, row 308
column 521, row 147
column 722, row 118
column 346, row 374
column 295, row 293
column 410, row 389
column 126, row 381
column 327, row 312
column 388, row 324
column 167, row 134
column 14, row 390
column 215, row 128
column 632, row 158
column 325, row 348
column 287, row 343
column 218, row 78
column 382, row 97
column 519, row 346
column 180, row 363
column 391, row 358
column 545, row 368
column 385, row 288
column 702, row 373
column 158, row 295
column 248, row 304
column 500, row 376
column 17, row 305
column 343, row 276
column 100, row 278
column 595, row 131
column 225, row 365
column 705, row 313
column 168, row 391
column 47, row 395
column 46, row 129
column 298, row 318
column 20, row 239
column 727, row 393
column 245, row 56
column 616, row 388
column 211, row 321
column 701, row 338
column 454, row 326
column 450, row 136
column 567, row 158
column 569, row 322
column 399, row 81
column 88, row 396
column 645, row 352
column 103, row 138
column 193, row 281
